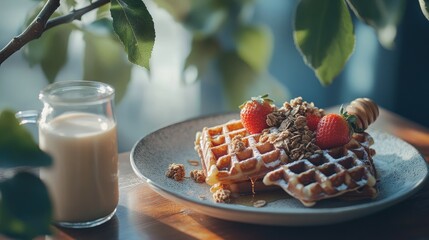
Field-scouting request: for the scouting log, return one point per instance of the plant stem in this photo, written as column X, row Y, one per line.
column 42, row 23
column 33, row 31
column 76, row 14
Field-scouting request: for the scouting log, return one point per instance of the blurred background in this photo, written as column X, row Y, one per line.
column 195, row 72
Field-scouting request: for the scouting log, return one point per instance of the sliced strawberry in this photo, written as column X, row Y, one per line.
column 254, row 113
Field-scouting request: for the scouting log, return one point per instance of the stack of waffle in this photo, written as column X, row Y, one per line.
column 231, row 167
column 238, row 161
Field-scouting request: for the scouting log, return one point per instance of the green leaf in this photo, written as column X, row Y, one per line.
column 177, row 9
column 67, row 5
column 50, row 50
column 103, row 12
column 383, row 15
column 102, row 26
column 110, row 66
column 205, row 18
column 241, row 82
column 17, row 147
column 323, row 32
column 202, row 52
column 134, row 26
column 424, row 5
column 55, row 46
column 25, row 207
column 255, row 46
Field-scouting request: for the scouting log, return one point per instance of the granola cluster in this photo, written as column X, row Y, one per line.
column 296, row 106
column 176, row 171
column 198, row 176
column 237, row 144
column 222, row 196
column 290, row 131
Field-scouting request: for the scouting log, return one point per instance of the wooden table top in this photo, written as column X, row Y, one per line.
column 143, row 214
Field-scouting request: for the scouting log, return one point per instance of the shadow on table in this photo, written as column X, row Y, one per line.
column 109, row 230
column 390, row 223
column 133, row 225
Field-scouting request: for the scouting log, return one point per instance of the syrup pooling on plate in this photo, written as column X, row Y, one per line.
column 254, row 200
column 258, row 198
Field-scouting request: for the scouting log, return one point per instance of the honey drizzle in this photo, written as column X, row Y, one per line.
column 252, row 182
column 268, row 196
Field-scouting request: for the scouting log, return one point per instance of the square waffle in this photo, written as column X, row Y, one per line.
column 346, row 170
column 224, row 165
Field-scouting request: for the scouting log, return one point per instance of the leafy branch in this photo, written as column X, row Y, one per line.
column 325, row 39
column 42, row 23
column 18, row 152
column 75, row 14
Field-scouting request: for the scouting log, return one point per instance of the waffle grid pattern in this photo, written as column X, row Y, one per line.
column 330, row 174
column 224, row 165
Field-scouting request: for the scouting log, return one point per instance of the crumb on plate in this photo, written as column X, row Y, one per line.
column 198, row 176
column 259, row 203
column 176, row 171
column 222, row 196
column 193, row 162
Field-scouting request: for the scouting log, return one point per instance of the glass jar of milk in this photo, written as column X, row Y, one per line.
column 77, row 128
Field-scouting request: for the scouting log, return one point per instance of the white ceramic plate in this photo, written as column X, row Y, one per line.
column 401, row 168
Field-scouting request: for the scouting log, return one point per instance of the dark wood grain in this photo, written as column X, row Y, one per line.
column 143, row 214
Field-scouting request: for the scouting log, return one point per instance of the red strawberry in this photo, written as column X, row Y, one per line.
column 254, row 113
column 313, row 121
column 334, row 130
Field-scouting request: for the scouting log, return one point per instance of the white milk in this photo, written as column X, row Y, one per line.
column 83, row 181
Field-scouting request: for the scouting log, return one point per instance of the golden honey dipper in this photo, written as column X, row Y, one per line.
column 365, row 110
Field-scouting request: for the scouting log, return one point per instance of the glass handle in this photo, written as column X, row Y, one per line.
column 29, row 116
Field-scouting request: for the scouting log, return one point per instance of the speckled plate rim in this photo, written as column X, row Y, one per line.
column 284, row 217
